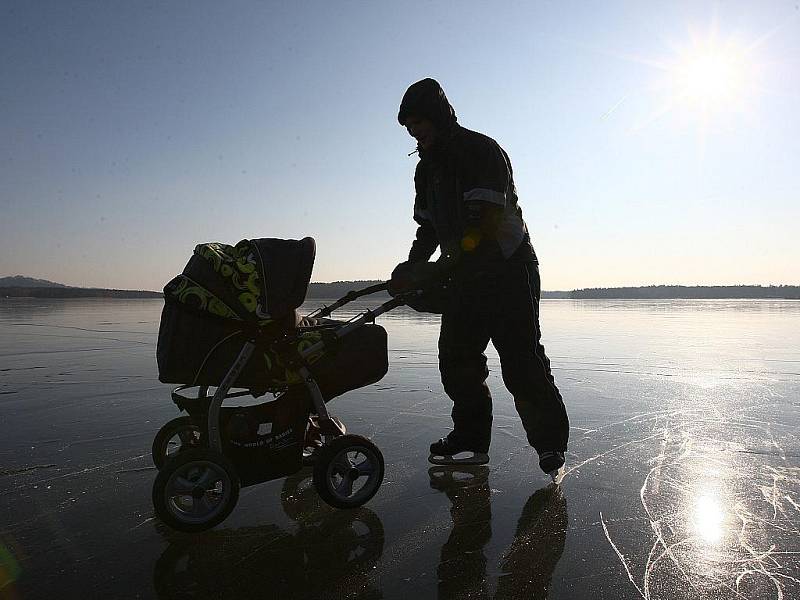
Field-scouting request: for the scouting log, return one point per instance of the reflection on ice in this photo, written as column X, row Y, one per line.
column 327, row 553
column 708, row 518
column 722, row 517
column 526, row 566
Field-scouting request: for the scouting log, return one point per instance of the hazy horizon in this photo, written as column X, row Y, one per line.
column 651, row 143
column 334, row 281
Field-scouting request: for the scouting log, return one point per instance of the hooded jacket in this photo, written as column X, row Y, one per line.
column 466, row 201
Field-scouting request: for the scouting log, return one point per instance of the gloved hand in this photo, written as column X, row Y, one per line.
column 401, row 280
column 408, row 277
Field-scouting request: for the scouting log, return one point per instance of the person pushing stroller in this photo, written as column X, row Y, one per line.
column 466, row 204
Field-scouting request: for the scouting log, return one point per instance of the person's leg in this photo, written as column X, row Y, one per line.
column 462, row 364
column 516, row 335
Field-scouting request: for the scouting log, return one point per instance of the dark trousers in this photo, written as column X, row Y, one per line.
column 501, row 305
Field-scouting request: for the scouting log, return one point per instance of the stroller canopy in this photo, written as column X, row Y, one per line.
column 259, row 280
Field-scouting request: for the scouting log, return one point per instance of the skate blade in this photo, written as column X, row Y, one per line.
column 558, row 475
column 462, row 458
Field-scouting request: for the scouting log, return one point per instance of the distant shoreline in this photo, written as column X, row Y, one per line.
column 682, row 292
column 338, row 289
column 67, row 292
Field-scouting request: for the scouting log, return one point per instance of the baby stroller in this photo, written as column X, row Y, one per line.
column 230, row 322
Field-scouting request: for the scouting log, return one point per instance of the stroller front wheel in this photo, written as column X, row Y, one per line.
column 196, row 490
column 176, row 436
column 348, row 471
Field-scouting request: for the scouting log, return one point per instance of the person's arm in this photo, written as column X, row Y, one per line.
column 405, row 275
column 487, row 182
column 424, row 244
column 426, row 240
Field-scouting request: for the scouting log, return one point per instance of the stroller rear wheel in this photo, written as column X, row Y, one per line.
column 177, row 435
column 348, row 471
column 196, row 490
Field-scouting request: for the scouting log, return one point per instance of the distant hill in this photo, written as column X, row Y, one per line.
column 74, row 292
column 28, row 282
column 20, row 286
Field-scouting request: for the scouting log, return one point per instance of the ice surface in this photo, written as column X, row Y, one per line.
column 682, row 480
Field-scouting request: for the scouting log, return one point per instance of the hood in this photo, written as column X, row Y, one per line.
column 426, row 99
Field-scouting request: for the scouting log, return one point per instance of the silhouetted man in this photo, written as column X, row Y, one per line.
column 466, row 204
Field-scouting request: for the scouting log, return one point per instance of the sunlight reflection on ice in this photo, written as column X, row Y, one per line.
column 722, row 518
column 708, row 518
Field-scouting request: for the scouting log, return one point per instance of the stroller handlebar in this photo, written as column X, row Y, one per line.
column 349, row 297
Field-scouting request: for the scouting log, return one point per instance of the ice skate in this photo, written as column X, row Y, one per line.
column 444, row 452
column 552, row 463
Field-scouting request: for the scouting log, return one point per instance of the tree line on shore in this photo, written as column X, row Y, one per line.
column 709, row 292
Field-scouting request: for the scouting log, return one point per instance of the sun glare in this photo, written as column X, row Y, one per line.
column 712, row 76
column 709, row 79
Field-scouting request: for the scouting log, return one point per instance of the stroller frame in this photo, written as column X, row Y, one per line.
column 327, row 425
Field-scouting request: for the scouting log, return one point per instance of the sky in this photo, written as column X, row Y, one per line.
column 652, row 142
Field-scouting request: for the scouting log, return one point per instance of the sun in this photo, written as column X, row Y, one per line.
column 708, row 80
column 712, row 76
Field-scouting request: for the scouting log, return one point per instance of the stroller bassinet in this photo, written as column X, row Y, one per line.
column 226, row 293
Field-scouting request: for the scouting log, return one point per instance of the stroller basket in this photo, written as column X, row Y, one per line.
column 265, row 441
column 197, row 350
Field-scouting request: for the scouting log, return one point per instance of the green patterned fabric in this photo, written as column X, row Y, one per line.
column 237, row 267
column 238, row 277
column 280, row 373
column 188, row 292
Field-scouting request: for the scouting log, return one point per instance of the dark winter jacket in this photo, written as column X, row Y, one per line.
column 465, row 201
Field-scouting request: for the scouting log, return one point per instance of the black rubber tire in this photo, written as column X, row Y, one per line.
column 182, row 465
column 325, row 468
column 180, row 425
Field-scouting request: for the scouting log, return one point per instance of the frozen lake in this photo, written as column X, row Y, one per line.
column 683, row 481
